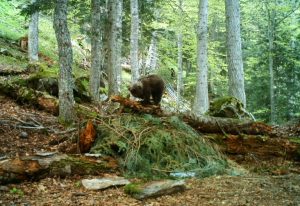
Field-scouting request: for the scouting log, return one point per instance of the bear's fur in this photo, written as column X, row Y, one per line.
column 147, row 86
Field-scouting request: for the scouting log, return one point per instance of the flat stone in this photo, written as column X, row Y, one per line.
column 103, row 183
column 160, row 188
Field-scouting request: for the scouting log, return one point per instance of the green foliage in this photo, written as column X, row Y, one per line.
column 11, row 23
column 77, row 184
column 285, row 58
column 16, row 191
column 153, row 147
column 132, row 188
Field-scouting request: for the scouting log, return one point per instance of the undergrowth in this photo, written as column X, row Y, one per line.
column 152, row 147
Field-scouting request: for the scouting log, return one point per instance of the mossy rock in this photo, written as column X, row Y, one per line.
column 229, row 107
column 46, row 80
column 36, row 67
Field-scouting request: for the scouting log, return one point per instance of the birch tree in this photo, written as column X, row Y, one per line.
column 234, row 51
column 201, row 103
column 65, row 81
column 33, row 36
column 95, row 72
column 115, row 46
column 134, row 40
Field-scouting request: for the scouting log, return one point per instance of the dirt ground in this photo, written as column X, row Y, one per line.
column 256, row 188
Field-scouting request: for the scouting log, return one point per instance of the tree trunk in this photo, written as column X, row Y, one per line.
column 95, row 72
column 33, row 36
column 201, row 103
column 179, row 72
column 179, row 57
column 65, row 80
column 115, row 46
column 105, row 35
column 271, row 25
column 234, row 51
column 151, row 59
column 134, row 40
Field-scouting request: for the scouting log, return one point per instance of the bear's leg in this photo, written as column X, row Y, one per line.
column 157, row 97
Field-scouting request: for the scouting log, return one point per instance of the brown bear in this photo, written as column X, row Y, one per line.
column 147, row 86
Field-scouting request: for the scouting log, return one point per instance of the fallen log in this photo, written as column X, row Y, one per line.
column 256, row 147
column 203, row 124
column 53, row 164
column 207, row 124
column 23, row 95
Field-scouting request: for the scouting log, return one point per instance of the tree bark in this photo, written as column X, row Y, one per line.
column 201, row 102
column 33, row 36
column 234, row 51
column 134, row 40
column 115, row 46
column 65, row 81
column 95, row 73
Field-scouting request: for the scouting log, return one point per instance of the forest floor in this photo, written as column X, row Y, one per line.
column 280, row 187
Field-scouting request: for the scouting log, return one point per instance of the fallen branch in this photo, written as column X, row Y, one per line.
column 31, row 125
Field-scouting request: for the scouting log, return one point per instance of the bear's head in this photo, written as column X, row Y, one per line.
column 137, row 90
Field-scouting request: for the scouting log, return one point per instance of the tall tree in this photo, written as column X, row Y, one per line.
column 95, row 73
column 179, row 62
column 65, row 81
column 201, row 103
column 234, row 51
column 33, row 36
column 271, row 30
column 115, row 46
column 134, row 40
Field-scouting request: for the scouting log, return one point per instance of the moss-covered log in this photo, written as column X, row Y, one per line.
column 23, row 94
column 39, row 166
column 208, row 124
